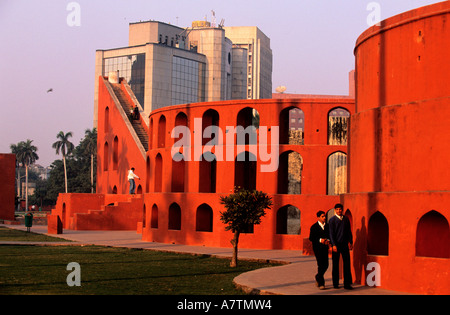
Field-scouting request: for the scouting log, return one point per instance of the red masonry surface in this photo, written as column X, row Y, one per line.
column 398, row 185
column 7, row 186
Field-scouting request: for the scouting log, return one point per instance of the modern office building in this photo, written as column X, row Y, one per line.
column 168, row 65
column 259, row 59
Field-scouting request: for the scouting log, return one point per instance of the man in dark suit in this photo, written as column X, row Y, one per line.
column 319, row 237
column 341, row 242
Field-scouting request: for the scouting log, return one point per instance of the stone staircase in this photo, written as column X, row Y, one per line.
column 128, row 108
column 140, row 131
column 122, row 215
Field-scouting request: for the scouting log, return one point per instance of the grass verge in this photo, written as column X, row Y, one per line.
column 7, row 234
column 111, row 271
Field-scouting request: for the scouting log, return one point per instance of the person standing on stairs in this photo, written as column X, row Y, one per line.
column 136, row 113
column 131, row 177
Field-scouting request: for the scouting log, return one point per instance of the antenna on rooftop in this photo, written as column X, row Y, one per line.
column 213, row 22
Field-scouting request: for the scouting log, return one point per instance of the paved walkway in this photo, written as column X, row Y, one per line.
column 295, row 277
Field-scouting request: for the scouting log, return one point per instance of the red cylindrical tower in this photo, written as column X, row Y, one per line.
column 399, row 188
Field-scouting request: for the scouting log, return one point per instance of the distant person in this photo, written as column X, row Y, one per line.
column 136, row 113
column 319, row 237
column 342, row 242
column 131, row 177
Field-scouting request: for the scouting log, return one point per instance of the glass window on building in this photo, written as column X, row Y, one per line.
column 188, row 81
column 132, row 69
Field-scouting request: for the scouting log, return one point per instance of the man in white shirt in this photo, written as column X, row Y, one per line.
column 131, row 177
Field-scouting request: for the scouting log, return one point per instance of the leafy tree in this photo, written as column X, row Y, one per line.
column 80, row 165
column 64, row 146
column 55, row 181
column 89, row 146
column 26, row 154
column 40, row 193
column 244, row 208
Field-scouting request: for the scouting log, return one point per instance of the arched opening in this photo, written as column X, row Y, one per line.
column 292, row 126
column 180, row 120
column 116, row 153
column 63, row 214
column 246, row 125
column 154, row 217
column 209, row 118
column 114, row 190
column 204, row 218
column 245, row 171
column 288, row 220
column 147, row 175
column 158, row 173
column 178, row 169
column 290, row 173
column 105, row 156
column 378, row 235
column 106, row 129
column 337, row 173
column 330, row 214
column 338, row 126
column 433, row 236
column 162, row 132
column 150, row 137
column 174, row 217
column 139, row 189
column 207, row 173
column 349, row 215
column 144, row 216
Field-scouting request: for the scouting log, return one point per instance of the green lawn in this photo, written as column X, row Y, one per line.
column 108, row 271
column 7, row 234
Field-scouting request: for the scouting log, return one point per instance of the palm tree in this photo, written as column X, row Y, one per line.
column 91, row 149
column 15, row 150
column 64, row 146
column 25, row 154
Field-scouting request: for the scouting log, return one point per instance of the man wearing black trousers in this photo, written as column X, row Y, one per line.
column 342, row 242
column 319, row 237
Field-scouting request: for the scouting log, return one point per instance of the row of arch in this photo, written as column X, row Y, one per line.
column 245, row 174
column 115, row 155
column 432, row 235
column 287, row 219
column 289, row 173
column 291, row 123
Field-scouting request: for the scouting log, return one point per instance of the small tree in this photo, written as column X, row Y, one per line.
column 244, row 209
